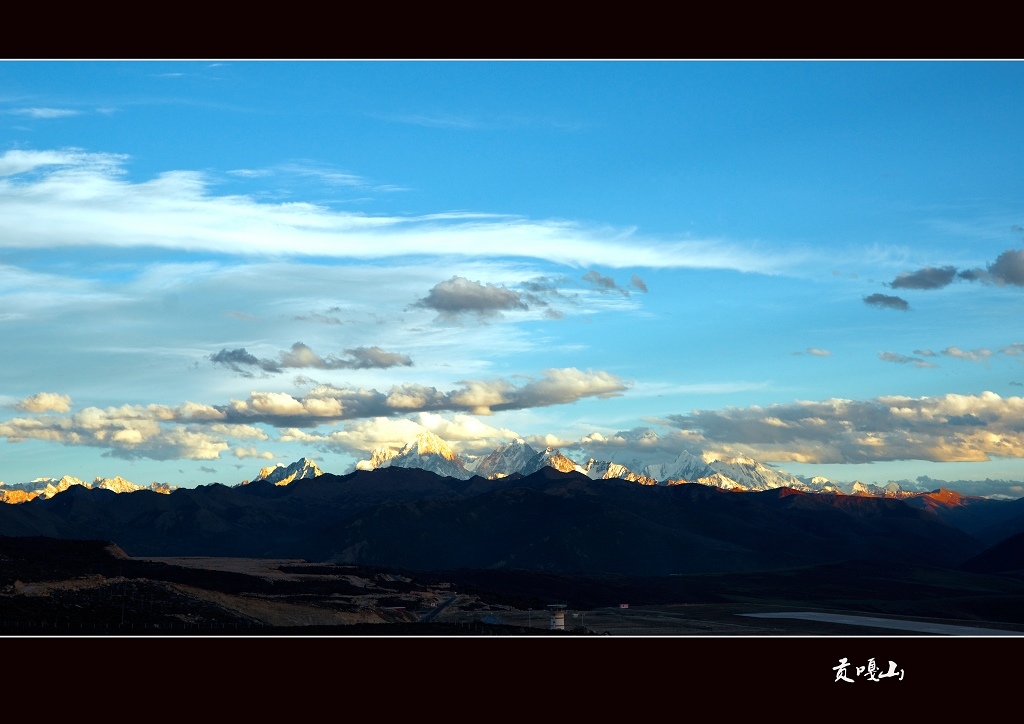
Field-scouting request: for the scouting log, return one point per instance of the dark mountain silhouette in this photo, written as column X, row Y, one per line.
column 1007, row 556
column 546, row 521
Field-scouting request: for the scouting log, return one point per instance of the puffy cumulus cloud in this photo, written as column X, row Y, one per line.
column 972, row 355
column 326, row 403
column 250, row 452
column 459, row 295
column 197, row 411
column 86, row 199
column 927, row 278
column 374, row 358
column 126, row 432
column 562, row 386
column 45, row 402
column 294, row 434
column 1008, row 268
column 367, row 435
column 465, row 433
column 202, row 432
column 540, row 442
column 468, row 433
column 905, row 360
column 481, row 397
column 302, row 356
column 886, row 301
column 157, row 432
column 413, row 397
column 240, row 432
column 975, row 275
column 271, row 403
column 950, row 428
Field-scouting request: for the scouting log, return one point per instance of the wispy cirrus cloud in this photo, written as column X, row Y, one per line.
column 85, row 199
column 38, row 112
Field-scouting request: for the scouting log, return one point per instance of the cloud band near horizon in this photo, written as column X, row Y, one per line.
column 199, row 431
column 951, row 428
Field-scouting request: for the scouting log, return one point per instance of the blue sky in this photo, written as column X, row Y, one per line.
column 207, row 267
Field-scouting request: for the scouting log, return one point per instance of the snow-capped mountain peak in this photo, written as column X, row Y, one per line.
column 427, row 443
column 686, row 466
column 505, row 460
column 117, row 484
column 282, row 475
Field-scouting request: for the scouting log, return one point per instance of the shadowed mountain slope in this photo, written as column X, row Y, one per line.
column 546, row 521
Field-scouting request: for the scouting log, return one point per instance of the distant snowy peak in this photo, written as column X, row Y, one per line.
column 551, row 458
column 378, row 459
column 59, row 486
column 505, row 460
column 604, row 470
column 117, row 484
column 48, row 487
column 301, row 469
column 752, row 475
column 824, row 485
column 426, row 451
column 686, row 466
column 891, row 490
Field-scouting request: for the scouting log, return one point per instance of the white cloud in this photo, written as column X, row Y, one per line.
column 943, row 429
column 84, row 199
column 465, row 433
column 16, row 161
column 251, row 452
column 45, row 112
column 973, row 355
column 326, row 403
column 45, row 401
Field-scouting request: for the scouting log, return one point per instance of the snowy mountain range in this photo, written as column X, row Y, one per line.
column 48, row 487
column 429, row 452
